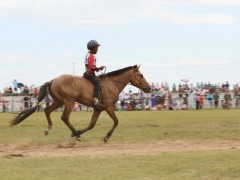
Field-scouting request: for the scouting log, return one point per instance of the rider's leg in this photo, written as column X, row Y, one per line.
column 96, row 83
column 92, row 77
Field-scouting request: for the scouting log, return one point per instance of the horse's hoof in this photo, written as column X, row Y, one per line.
column 105, row 140
column 77, row 135
column 46, row 132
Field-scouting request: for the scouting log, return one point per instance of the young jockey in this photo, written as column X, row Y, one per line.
column 90, row 66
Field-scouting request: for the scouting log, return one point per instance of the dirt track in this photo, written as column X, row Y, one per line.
column 96, row 150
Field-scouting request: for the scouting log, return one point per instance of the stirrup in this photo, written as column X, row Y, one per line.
column 98, row 107
column 95, row 101
column 97, row 104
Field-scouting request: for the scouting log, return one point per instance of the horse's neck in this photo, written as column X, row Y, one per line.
column 121, row 81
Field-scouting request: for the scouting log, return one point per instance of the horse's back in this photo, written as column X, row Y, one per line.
column 70, row 86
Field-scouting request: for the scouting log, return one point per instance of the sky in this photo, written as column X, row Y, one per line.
column 198, row 40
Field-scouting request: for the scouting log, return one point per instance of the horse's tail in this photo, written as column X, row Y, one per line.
column 24, row 114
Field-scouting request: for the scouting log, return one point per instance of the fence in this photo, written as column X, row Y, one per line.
column 16, row 103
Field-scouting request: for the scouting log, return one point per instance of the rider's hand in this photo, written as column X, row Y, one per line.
column 102, row 67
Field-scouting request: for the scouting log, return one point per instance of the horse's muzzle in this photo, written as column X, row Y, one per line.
column 147, row 89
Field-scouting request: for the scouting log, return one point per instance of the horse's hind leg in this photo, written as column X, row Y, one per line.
column 112, row 114
column 56, row 104
column 65, row 117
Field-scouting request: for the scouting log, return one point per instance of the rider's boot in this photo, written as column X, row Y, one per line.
column 97, row 103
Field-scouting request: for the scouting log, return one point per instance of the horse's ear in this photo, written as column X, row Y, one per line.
column 138, row 66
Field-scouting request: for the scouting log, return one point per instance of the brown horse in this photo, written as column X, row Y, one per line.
column 67, row 89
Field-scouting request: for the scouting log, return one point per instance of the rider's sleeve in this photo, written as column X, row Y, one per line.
column 91, row 63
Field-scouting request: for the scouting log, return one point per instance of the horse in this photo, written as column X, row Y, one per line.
column 68, row 89
column 227, row 101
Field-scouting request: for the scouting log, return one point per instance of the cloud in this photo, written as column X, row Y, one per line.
column 195, row 2
column 14, row 58
column 187, row 62
column 209, row 2
column 107, row 14
column 190, row 18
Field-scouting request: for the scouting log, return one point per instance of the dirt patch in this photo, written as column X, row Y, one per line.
column 73, row 148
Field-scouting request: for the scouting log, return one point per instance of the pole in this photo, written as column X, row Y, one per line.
column 73, row 68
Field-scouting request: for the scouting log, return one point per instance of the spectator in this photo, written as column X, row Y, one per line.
column 147, row 107
column 138, row 107
column 170, row 102
column 197, row 100
column 153, row 102
column 141, row 99
column 158, row 101
column 201, row 100
column 15, row 86
column 122, row 99
column 35, row 92
column 47, row 99
column 210, row 99
column 237, row 101
column 26, row 90
column 152, row 86
column 174, row 89
column 3, row 106
column 185, row 100
column 227, row 85
column 227, row 100
column 216, row 99
column 10, row 90
column 26, row 100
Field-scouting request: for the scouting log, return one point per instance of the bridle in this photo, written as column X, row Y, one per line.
column 142, row 85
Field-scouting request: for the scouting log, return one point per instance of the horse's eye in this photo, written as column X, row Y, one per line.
column 141, row 75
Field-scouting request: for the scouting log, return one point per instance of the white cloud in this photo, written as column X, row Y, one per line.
column 209, row 2
column 106, row 13
column 190, row 18
column 193, row 61
column 14, row 58
column 196, row 2
column 187, row 61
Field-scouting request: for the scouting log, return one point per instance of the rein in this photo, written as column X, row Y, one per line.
column 142, row 85
column 102, row 73
column 103, row 76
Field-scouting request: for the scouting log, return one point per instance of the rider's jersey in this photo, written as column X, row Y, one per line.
column 90, row 63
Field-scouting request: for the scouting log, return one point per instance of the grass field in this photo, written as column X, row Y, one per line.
column 146, row 145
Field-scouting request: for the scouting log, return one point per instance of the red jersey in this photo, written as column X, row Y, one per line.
column 90, row 63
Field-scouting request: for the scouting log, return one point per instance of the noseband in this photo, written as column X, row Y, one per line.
column 142, row 85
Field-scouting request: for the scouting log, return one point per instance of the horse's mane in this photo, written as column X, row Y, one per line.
column 119, row 71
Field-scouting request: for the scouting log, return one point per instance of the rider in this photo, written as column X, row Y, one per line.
column 90, row 66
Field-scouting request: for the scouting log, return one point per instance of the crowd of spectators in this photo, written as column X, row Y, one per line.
column 182, row 96
column 19, row 89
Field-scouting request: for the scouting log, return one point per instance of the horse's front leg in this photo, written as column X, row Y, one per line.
column 65, row 118
column 92, row 123
column 112, row 114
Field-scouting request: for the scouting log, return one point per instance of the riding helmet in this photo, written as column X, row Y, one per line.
column 92, row 44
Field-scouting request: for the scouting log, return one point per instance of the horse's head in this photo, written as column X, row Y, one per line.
column 139, row 81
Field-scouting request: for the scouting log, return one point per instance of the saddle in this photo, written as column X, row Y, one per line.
column 99, row 78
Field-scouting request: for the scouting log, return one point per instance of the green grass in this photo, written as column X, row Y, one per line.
column 184, row 165
column 133, row 126
column 141, row 127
